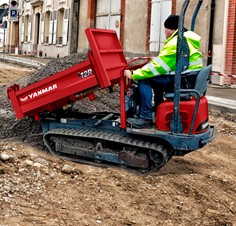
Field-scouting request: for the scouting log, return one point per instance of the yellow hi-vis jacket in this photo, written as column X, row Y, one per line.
column 165, row 63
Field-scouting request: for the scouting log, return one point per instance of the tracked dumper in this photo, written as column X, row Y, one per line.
column 181, row 124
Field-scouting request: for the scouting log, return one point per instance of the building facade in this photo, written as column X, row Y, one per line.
column 44, row 27
column 55, row 28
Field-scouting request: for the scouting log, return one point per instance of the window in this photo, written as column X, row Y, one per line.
column 62, row 31
column 26, row 23
column 42, row 28
column 46, row 27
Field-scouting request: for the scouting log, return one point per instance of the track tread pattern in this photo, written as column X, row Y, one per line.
column 112, row 137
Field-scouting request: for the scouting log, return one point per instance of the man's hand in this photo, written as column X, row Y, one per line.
column 127, row 73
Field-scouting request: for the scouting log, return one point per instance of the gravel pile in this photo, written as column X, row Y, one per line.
column 10, row 127
column 54, row 66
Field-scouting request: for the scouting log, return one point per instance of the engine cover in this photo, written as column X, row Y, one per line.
column 165, row 112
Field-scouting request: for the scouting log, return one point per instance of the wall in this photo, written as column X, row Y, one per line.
column 219, row 22
column 74, row 27
column 83, row 24
column 230, row 61
column 135, row 26
column 1, row 35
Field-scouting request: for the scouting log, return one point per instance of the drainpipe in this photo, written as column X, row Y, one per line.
column 222, row 71
column 210, row 44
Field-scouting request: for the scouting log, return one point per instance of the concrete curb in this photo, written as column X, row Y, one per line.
column 222, row 104
column 22, row 61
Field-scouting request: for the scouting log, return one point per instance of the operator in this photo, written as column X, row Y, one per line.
column 158, row 73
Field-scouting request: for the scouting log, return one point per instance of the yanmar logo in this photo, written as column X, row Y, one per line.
column 39, row 93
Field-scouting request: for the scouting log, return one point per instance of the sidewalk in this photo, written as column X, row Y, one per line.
column 222, row 104
column 222, row 97
column 219, row 97
column 25, row 60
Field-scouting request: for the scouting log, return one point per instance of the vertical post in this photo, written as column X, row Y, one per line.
column 122, row 102
column 195, row 14
column 181, row 64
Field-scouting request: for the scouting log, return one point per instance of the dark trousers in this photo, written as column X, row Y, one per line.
column 157, row 86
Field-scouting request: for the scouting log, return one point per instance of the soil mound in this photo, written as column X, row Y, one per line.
column 10, row 127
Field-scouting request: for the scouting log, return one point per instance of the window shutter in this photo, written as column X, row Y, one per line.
column 55, row 28
column 22, row 29
column 29, row 28
column 42, row 28
column 51, row 28
column 65, row 26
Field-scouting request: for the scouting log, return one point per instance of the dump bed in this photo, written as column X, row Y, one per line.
column 103, row 68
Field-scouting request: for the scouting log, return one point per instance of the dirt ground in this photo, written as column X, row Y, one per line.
column 39, row 189
column 11, row 72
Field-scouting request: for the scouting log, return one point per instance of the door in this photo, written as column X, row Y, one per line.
column 108, row 15
column 160, row 10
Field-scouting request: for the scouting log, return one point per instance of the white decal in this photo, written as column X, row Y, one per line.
column 38, row 93
column 24, row 99
column 85, row 73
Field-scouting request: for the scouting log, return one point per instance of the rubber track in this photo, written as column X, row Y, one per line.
column 108, row 136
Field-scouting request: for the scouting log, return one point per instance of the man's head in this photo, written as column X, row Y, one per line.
column 171, row 25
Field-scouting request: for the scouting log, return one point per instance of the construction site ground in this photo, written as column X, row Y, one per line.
column 39, row 189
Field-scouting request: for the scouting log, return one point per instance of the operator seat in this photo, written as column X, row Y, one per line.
column 193, row 106
column 200, row 86
column 202, row 80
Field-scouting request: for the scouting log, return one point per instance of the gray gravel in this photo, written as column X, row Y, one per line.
column 10, row 127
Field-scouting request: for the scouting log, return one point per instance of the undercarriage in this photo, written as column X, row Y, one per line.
column 97, row 137
column 106, row 146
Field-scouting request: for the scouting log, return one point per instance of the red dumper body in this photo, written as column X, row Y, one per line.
column 102, row 69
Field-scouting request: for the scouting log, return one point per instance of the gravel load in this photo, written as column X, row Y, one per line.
column 55, row 66
column 10, row 127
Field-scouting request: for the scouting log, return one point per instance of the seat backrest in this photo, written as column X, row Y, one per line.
column 201, row 83
column 202, row 80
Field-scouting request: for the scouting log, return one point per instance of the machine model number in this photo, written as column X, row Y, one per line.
column 86, row 73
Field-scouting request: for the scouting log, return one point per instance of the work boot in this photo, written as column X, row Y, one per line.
column 139, row 123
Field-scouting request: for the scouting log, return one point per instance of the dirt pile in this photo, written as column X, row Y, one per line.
column 10, row 72
column 10, row 127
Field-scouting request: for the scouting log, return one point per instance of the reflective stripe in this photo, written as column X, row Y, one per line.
column 196, row 62
column 162, row 63
column 184, row 72
column 153, row 69
column 190, row 71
